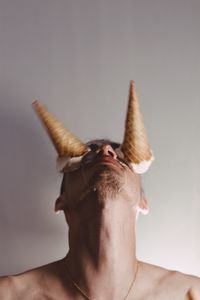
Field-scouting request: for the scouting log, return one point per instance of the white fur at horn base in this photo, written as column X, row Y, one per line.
column 67, row 163
column 143, row 166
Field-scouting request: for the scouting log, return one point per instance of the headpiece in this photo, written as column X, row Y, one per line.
column 70, row 149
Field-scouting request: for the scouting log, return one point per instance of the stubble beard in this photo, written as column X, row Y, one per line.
column 107, row 182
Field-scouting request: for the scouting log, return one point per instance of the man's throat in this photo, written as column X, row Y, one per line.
column 104, row 239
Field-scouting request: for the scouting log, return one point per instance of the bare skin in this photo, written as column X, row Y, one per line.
column 100, row 202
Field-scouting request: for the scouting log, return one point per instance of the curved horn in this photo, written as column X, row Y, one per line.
column 135, row 146
column 64, row 141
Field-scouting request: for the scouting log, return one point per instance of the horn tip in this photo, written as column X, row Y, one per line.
column 35, row 103
column 132, row 90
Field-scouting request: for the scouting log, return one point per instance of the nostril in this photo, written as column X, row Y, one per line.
column 100, row 152
column 111, row 153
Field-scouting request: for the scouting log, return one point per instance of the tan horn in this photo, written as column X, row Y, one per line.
column 64, row 141
column 135, row 146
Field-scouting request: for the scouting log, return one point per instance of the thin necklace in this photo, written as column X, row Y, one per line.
column 86, row 296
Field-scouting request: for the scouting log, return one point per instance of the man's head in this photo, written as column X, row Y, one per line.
column 103, row 180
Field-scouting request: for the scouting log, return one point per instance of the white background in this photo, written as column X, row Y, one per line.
column 78, row 57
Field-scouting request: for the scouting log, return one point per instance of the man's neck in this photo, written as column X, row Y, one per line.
column 102, row 258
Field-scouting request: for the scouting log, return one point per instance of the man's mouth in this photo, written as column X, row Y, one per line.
column 107, row 160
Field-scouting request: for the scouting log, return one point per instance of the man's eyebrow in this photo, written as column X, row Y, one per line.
column 94, row 146
column 115, row 145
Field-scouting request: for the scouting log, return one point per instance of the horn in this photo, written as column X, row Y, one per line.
column 135, row 145
column 64, row 141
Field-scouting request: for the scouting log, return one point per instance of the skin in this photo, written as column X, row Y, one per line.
column 100, row 201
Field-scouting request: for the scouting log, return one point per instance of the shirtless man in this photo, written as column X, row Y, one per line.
column 100, row 197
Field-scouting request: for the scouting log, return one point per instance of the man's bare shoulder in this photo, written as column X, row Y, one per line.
column 7, row 288
column 180, row 285
column 30, row 284
column 190, row 282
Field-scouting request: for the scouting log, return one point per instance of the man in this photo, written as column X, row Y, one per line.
column 101, row 197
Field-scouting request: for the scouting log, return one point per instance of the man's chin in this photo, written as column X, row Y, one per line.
column 107, row 180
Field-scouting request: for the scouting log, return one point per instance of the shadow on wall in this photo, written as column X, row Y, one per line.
column 25, row 186
column 22, row 159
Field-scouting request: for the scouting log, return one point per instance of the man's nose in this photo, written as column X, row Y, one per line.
column 107, row 150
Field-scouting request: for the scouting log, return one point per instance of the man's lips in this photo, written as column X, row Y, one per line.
column 109, row 159
column 105, row 159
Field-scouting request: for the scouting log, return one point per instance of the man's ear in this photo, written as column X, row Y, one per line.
column 143, row 205
column 59, row 205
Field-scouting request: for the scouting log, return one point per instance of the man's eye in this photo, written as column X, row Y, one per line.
column 115, row 145
column 93, row 147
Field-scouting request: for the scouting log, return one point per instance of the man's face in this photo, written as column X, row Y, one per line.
column 101, row 178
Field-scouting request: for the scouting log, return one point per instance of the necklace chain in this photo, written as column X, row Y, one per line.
column 84, row 293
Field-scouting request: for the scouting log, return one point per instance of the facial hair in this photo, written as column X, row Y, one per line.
column 107, row 181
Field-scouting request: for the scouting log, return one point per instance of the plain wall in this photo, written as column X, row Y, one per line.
column 78, row 57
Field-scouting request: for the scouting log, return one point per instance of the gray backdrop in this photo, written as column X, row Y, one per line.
column 78, row 57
